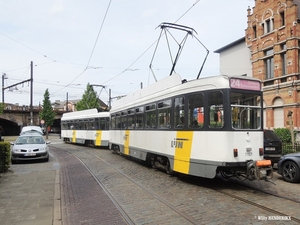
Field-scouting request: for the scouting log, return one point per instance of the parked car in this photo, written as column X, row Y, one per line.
column 32, row 129
column 30, row 145
column 289, row 167
column 272, row 146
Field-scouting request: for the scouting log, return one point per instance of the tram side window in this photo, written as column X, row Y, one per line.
column 164, row 114
column 131, row 119
column 106, row 122
column 76, row 125
column 97, row 123
column 80, row 125
column 124, row 123
column 216, row 110
column 91, row 124
column 85, row 125
column 118, row 121
column 179, row 120
column 113, row 122
column 102, row 124
column 71, row 125
column 150, row 116
column 64, row 125
column 196, row 111
column 139, row 117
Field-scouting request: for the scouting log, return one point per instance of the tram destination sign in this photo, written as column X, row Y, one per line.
column 244, row 84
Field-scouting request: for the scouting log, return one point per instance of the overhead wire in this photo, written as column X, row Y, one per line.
column 94, row 44
column 87, row 66
column 128, row 68
column 27, row 47
column 53, row 60
column 92, row 52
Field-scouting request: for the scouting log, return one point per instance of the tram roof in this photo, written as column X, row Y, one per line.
column 171, row 86
column 83, row 114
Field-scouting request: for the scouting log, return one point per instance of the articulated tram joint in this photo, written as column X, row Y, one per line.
column 259, row 170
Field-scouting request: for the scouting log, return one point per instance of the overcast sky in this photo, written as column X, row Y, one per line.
column 108, row 42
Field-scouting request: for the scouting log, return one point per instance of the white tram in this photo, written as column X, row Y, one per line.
column 200, row 127
column 89, row 127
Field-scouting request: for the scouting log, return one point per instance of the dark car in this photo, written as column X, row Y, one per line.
column 289, row 167
column 272, row 146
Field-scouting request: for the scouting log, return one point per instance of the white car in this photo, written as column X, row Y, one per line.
column 29, row 146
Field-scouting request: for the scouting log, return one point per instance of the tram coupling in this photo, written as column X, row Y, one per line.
column 259, row 170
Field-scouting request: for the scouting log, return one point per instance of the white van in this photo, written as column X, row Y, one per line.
column 27, row 129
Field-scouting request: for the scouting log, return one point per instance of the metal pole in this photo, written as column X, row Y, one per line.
column 31, row 94
column 3, row 75
column 67, row 105
column 109, row 97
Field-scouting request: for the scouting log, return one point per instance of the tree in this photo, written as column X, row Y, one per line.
column 89, row 99
column 1, row 108
column 47, row 114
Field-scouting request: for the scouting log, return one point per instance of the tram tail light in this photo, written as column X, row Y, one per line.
column 235, row 152
column 263, row 163
column 261, row 151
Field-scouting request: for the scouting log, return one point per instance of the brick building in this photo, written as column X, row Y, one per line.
column 273, row 38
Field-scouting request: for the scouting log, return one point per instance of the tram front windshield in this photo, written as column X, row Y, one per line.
column 245, row 110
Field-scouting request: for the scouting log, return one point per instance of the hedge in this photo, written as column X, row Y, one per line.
column 4, row 156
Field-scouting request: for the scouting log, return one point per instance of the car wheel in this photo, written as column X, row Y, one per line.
column 13, row 161
column 290, row 172
column 47, row 159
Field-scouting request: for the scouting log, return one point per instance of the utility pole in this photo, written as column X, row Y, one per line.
column 31, row 93
column 67, row 105
column 3, row 77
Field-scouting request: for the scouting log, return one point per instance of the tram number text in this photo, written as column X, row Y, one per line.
column 248, row 154
column 176, row 144
column 125, row 137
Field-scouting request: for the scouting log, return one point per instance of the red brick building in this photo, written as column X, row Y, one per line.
column 273, row 38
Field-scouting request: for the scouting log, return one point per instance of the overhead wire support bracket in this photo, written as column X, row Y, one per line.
column 17, row 84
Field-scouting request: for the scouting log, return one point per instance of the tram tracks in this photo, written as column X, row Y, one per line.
column 120, row 173
column 268, row 209
column 111, row 197
column 121, row 209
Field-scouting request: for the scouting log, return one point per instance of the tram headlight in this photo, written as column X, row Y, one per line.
column 235, row 152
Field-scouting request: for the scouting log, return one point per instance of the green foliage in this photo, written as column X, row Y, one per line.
column 4, row 156
column 47, row 114
column 89, row 99
column 284, row 134
column 1, row 107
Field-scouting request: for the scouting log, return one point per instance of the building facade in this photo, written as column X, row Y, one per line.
column 273, row 38
column 232, row 53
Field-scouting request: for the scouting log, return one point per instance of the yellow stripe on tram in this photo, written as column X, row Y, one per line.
column 98, row 137
column 74, row 136
column 183, row 148
column 126, row 142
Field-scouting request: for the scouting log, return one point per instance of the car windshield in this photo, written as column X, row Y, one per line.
column 30, row 140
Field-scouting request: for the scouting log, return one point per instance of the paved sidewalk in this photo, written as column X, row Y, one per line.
column 28, row 198
column 30, row 194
